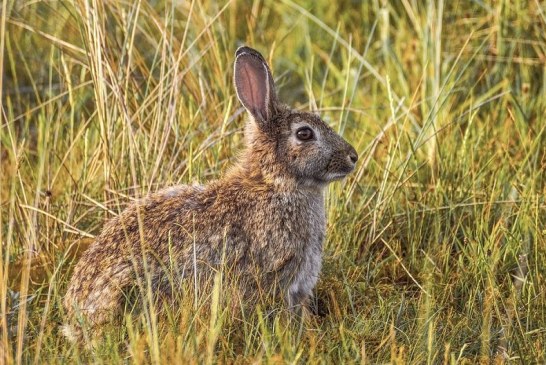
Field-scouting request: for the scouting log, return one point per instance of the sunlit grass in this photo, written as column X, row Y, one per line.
column 436, row 243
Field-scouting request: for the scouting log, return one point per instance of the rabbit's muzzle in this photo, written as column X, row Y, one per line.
column 341, row 163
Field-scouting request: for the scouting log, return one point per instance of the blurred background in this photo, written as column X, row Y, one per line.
column 436, row 244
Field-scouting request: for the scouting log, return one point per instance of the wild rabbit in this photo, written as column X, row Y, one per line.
column 264, row 219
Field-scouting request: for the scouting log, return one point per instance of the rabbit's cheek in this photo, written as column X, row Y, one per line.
column 310, row 164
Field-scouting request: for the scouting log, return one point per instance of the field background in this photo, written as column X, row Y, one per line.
column 436, row 244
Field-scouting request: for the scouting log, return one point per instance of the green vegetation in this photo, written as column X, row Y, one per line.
column 436, row 244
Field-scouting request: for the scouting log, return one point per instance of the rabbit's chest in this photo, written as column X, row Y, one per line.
column 309, row 260
column 307, row 273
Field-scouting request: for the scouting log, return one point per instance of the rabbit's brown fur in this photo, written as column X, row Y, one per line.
column 264, row 220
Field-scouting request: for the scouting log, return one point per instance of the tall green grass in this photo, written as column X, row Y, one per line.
column 436, row 244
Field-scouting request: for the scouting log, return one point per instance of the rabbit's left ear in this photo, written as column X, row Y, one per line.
column 254, row 84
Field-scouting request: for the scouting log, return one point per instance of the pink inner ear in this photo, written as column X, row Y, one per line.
column 252, row 85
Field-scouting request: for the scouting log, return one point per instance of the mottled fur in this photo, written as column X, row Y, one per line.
column 264, row 220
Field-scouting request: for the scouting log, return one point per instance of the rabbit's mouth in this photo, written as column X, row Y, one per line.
column 340, row 165
column 333, row 176
column 337, row 170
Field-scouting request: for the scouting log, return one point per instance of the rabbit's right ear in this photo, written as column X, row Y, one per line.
column 254, row 84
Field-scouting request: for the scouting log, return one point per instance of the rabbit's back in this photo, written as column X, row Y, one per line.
column 128, row 245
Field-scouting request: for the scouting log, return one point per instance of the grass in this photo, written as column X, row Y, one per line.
column 436, row 244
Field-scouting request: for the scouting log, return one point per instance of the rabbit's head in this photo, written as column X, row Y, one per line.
column 286, row 144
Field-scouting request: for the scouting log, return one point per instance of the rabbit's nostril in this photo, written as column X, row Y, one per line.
column 353, row 157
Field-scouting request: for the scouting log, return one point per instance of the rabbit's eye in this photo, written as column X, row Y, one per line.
column 304, row 134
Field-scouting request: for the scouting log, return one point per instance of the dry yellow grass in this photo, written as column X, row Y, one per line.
column 436, row 244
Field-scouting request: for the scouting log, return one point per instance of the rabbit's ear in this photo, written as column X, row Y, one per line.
column 254, row 84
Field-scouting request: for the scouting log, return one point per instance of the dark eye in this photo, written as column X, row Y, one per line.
column 304, row 134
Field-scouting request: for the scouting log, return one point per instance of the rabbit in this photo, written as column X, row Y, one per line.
column 265, row 219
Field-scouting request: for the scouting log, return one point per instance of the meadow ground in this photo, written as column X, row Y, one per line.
column 436, row 244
